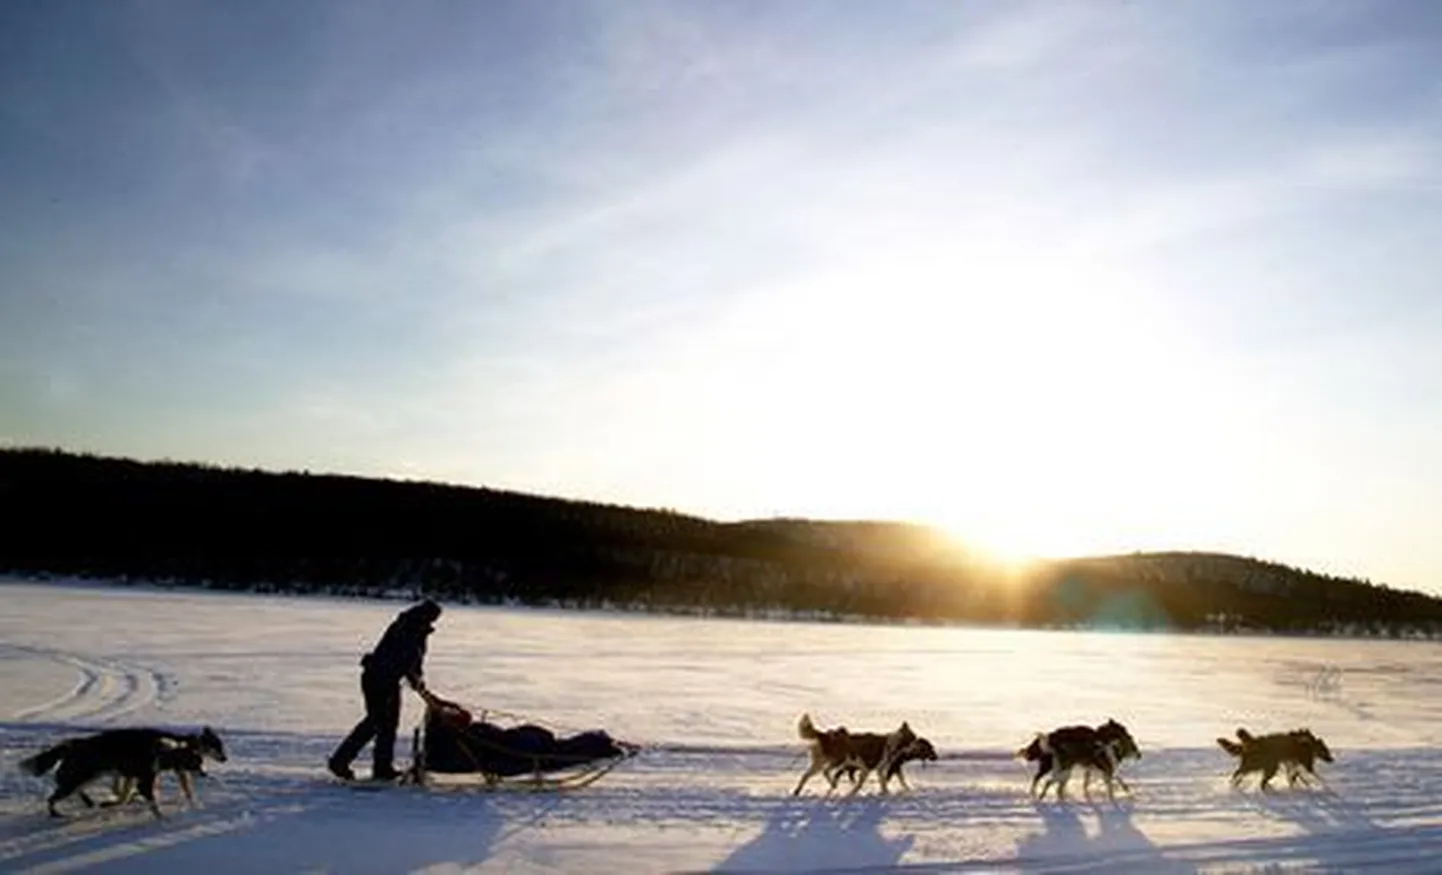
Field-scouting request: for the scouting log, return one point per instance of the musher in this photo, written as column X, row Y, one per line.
column 400, row 654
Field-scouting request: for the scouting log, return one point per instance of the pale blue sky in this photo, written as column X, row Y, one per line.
column 1064, row 277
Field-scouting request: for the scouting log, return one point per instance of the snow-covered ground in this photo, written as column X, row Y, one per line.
column 716, row 703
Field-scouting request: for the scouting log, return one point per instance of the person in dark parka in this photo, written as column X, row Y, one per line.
column 399, row 655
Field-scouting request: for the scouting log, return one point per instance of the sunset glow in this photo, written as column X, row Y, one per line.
column 1060, row 278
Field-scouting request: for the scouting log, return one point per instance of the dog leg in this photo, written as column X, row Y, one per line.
column 1109, row 778
column 124, row 789
column 1111, row 786
column 882, row 774
column 147, row 791
column 813, row 769
column 1050, row 782
column 1308, row 778
column 901, row 776
column 834, row 773
column 63, row 788
column 1063, row 776
column 865, row 773
column 1043, row 767
column 187, row 789
column 1268, row 774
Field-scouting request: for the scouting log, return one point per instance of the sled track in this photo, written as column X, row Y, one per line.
column 104, row 689
column 957, row 797
column 1381, row 811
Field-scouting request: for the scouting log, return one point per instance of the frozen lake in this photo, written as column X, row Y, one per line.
column 716, row 702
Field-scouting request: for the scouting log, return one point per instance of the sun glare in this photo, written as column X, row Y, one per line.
column 1031, row 404
column 1019, row 406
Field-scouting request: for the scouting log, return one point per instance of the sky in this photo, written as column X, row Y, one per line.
column 1061, row 278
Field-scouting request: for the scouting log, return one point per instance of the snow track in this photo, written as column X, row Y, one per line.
column 970, row 811
column 104, row 688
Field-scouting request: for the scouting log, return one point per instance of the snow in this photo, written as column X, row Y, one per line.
column 716, row 704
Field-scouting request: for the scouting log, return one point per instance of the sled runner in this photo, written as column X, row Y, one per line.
column 528, row 756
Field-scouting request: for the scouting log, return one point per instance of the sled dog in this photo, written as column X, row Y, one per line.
column 1297, row 750
column 185, row 760
column 834, row 748
column 1102, row 749
column 920, row 749
column 133, row 756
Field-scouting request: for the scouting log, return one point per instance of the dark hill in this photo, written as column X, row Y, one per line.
column 83, row 515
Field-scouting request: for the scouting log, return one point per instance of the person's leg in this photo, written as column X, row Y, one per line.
column 387, row 715
column 363, row 732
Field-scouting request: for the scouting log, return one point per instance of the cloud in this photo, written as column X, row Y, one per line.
column 1401, row 158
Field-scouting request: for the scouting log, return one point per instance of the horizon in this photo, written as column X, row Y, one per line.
column 1009, row 565
column 1059, row 280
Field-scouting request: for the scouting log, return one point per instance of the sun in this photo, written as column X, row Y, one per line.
column 1009, row 541
column 1031, row 405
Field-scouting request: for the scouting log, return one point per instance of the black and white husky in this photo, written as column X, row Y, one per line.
column 134, row 757
column 1102, row 748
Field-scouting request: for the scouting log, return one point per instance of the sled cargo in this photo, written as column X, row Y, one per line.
column 452, row 742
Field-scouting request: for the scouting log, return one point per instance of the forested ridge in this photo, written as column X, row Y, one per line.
column 77, row 515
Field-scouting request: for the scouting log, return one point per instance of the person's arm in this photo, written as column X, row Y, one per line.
column 415, row 672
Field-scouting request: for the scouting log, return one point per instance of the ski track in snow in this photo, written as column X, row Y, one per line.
column 105, row 688
column 717, row 800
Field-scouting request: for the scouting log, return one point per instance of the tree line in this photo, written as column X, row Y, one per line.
column 119, row 519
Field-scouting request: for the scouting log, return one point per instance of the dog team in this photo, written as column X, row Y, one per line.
column 1101, row 749
column 135, row 757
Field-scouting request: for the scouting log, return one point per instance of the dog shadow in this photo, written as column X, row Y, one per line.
column 810, row 835
column 1117, row 839
column 1318, row 811
column 342, row 830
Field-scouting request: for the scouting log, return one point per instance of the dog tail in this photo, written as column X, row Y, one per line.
column 44, row 761
column 1230, row 746
column 806, row 729
column 1036, row 749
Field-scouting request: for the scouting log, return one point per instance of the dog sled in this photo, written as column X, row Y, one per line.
column 453, row 742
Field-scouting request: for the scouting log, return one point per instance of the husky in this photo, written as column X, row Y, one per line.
column 1297, row 750
column 186, row 761
column 920, row 749
column 133, row 756
column 836, row 748
column 1103, row 749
